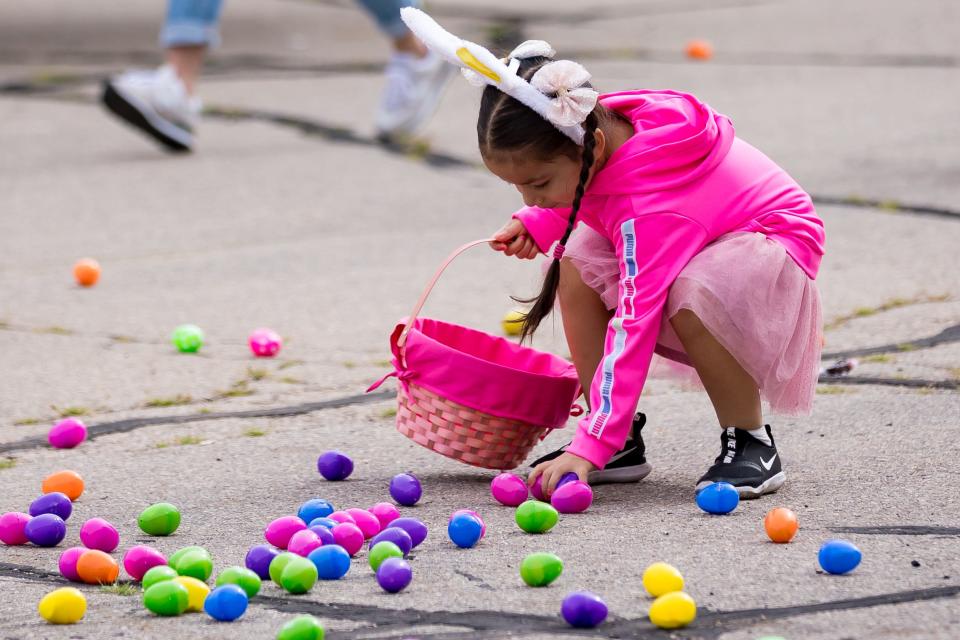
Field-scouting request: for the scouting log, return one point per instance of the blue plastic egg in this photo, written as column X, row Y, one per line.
column 226, row 603
column 839, row 556
column 313, row 509
column 332, row 561
column 464, row 530
column 718, row 498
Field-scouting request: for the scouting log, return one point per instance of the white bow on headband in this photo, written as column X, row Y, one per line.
column 563, row 79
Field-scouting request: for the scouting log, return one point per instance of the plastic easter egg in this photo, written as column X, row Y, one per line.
column 781, row 524
column 67, row 563
column 197, row 592
column 567, row 477
column 265, row 343
column 187, row 338
column 334, row 465
column 46, row 530
column 299, row 575
column 540, row 569
column 195, row 564
column 673, row 610
column 301, row 628
column 349, row 536
column 166, row 598
column 470, row 512
column 660, row 578
column 405, row 488
column 536, row 517
column 512, row 323
column 56, row 503
column 509, row 489
column 315, row 508
column 839, row 556
column 367, row 522
column 241, row 577
column 279, row 564
column 182, row 551
column 67, row 482
column 416, row 529
column 13, row 528
column 341, row 517
column 86, row 272
column 329, row 523
column 699, row 50
column 279, row 532
column 394, row 574
column 226, row 603
column 63, row 606
column 323, row 533
column 718, row 498
column 583, row 610
column 536, row 490
column 332, row 561
column 157, row 574
column 397, row 536
column 160, row 519
column 97, row 533
column 572, row 497
column 259, row 558
column 96, row 567
column 140, row 559
column 303, row 542
column 464, row 530
column 381, row 551
column 67, row 433
column 385, row 513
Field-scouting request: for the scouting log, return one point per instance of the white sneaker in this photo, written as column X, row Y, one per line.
column 157, row 103
column 414, row 88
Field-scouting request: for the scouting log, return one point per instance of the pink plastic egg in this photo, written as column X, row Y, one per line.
column 13, row 526
column 537, row 489
column 342, row 516
column 573, row 497
column 385, row 513
column 367, row 522
column 483, row 525
column 349, row 536
column 97, row 533
column 68, row 563
column 140, row 559
column 265, row 343
column 279, row 532
column 303, row 542
column 509, row 489
column 67, row 434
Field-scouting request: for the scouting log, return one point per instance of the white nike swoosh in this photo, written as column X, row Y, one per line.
column 768, row 463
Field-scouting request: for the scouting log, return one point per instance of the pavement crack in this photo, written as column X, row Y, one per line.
column 947, row 336
column 902, row 530
column 912, row 383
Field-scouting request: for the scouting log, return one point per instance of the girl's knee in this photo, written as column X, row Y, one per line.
column 686, row 323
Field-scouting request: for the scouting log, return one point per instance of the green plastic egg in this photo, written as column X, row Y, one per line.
column 301, row 628
column 299, row 575
column 383, row 550
column 179, row 553
column 159, row 519
column 167, row 598
column 540, row 569
column 157, row 574
column 279, row 563
column 187, row 338
column 242, row 577
column 195, row 564
column 534, row 516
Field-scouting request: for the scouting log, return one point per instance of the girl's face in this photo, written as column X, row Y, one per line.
column 542, row 183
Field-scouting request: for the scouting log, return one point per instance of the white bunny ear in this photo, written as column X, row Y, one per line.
column 532, row 49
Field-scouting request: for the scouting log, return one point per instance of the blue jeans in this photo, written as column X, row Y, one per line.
column 197, row 22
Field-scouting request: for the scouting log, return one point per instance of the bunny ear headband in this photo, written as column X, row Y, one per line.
column 563, row 79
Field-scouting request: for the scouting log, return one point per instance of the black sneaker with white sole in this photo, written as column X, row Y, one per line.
column 748, row 464
column 627, row 465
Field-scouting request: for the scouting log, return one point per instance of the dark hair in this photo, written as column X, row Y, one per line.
column 506, row 124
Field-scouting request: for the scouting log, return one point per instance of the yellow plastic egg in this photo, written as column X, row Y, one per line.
column 197, row 592
column 63, row 606
column 660, row 578
column 673, row 610
column 513, row 322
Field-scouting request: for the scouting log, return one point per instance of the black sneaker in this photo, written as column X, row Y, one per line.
column 627, row 465
column 746, row 463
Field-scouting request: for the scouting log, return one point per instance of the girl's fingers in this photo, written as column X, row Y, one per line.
column 509, row 231
column 516, row 246
column 537, row 470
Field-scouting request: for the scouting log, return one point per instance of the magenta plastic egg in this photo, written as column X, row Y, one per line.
column 97, row 533
column 68, row 563
column 342, row 516
column 349, row 536
column 573, row 497
column 483, row 525
column 13, row 526
column 67, row 433
column 279, row 532
column 265, row 343
column 303, row 542
column 140, row 559
column 536, row 490
column 385, row 513
column 367, row 522
column 509, row 489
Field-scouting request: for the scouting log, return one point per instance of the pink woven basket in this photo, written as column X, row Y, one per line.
column 472, row 396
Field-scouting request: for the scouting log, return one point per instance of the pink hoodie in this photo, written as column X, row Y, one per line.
column 682, row 181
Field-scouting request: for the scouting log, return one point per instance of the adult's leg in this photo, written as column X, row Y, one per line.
column 190, row 29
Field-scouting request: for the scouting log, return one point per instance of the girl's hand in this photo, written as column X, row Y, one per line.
column 513, row 240
column 553, row 470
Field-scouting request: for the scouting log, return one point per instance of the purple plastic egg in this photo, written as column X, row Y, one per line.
column 279, row 532
column 569, row 476
column 323, row 533
column 140, row 559
column 334, row 465
column 509, row 489
column 67, row 434
column 583, row 609
column 414, row 527
column 259, row 558
column 397, row 536
column 573, row 497
column 56, row 503
column 385, row 513
column 406, row 489
column 13, row 526
column 469, row 512
column 341, row 517
column 394, row 574
column 265, row 343
column 303, row 542
column 367, row 522
column 97, row 533
column 46, row 530
column 68, row 563
column 349, row 536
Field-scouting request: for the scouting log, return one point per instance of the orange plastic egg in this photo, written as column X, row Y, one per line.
column 96, row 567
column 66, row 482
column 781, row 524
column 87, row 272
column 699, row 50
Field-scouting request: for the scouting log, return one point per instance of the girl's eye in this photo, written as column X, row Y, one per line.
column 541, row 185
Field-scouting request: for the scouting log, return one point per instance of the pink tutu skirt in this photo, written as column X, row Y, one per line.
column 752, row 297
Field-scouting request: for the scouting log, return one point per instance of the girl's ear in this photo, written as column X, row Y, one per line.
column 600, row 147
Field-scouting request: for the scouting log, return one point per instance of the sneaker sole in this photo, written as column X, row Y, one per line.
column 140, row 116
column 771, row 485
column 426, row 109
column 635, row 473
